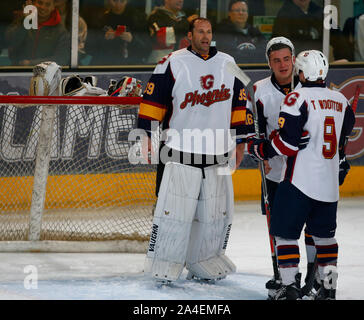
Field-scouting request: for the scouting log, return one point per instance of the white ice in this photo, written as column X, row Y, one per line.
column 112, row 276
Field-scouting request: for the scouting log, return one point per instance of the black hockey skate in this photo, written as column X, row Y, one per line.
column 290, row 292
column 273, row 285
column 325, row 294
column 312, row 285
column 327, row 290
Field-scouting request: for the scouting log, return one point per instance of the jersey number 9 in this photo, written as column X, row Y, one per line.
column 330, row 142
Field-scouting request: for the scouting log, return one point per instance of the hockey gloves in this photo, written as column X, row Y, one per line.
column 305, row 138
column 344, row 168
column 258, row 148
column 261, row 149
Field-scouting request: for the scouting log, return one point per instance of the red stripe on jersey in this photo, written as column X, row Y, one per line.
column 282, row 147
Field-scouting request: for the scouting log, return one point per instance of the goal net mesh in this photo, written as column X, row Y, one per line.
column 93, row 191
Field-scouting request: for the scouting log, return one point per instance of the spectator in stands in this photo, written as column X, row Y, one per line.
column 10, row 13
column 238, row 38
column 49, row 42
column 354, row 31
column 122, row 36
column 302, row 22
column 65, row 10
column 168, row 26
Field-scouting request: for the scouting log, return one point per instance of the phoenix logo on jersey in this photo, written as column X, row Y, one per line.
column 206, row 98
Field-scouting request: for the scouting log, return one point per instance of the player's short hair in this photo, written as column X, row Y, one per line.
column 192, row 23
column 278, row 46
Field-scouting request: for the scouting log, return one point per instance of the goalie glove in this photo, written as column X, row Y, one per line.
column 74, row 86
column 128, row 87
column 45, row 80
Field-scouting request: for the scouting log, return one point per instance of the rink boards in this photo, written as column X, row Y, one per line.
column 83, row 191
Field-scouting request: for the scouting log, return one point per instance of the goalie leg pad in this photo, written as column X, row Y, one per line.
column 211, row 227
column 174, row 212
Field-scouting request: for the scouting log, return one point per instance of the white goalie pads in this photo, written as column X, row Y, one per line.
column 74, row 86
column 175, row 210
column 211, row 227
column 45, row 80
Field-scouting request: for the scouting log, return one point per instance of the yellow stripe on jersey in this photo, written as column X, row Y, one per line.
column 288, row 256
column 238, row 116
column 150, row 111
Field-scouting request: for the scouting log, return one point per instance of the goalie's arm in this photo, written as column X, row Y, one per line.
column 157, row 99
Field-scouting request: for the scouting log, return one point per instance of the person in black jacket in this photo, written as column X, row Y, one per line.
column 238, row 38
column 121, row 36
column 302, row 22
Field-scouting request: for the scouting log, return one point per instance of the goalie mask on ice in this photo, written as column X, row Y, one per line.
column 45, row 80
column 191, row 225
column 126, row 87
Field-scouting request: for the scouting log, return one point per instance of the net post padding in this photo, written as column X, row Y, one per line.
column 92, row 199
column 41, row 171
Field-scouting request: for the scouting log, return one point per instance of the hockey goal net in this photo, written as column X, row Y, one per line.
column 67, row 182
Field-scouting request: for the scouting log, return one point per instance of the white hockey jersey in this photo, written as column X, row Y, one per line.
column 197, row 100
column 327, row 116
column 268, row 98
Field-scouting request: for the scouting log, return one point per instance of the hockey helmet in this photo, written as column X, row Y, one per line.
column 275, row 41
column 313, row 64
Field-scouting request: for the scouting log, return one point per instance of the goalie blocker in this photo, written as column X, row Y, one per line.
column 191, row 224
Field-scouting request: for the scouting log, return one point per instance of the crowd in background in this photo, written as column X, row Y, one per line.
column 127, row 32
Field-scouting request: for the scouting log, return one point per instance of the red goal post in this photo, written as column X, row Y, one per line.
column 66, row 180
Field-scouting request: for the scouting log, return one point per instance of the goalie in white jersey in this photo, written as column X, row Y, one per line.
column 310, row 190
column 197, row 103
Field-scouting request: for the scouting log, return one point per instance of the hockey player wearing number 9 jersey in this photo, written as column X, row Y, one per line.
column 192, row 96
column 310, row 190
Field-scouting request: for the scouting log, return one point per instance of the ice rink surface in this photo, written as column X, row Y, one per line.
column 118, row 276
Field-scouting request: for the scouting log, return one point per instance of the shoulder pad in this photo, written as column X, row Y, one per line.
column 162, row 64
column 292, row 102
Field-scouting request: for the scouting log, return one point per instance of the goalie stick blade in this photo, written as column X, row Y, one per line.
column 234, row 70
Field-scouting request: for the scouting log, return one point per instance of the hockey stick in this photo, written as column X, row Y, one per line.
column 233, row 69
column 356, row 98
